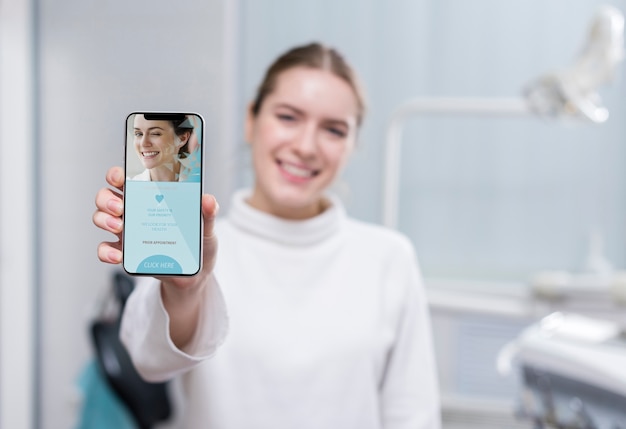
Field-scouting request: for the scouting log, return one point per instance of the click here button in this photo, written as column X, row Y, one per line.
column 159, row 264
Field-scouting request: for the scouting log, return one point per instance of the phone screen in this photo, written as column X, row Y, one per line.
column 162, row 193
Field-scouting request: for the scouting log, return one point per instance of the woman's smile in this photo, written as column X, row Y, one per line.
column 296, row 172
column 149, row 155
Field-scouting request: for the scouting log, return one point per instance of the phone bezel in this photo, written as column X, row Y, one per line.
column 162, row 115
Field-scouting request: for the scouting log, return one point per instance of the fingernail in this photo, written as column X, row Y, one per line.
column 115, row 256
column 114, row 223
column 116, row 175
column 115, row 206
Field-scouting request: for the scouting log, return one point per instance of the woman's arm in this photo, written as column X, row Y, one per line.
column 146, row 327
column 410, row 390
column 182, row 299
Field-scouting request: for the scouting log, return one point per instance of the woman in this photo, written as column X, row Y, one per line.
column 160, row 146
column 328, row 322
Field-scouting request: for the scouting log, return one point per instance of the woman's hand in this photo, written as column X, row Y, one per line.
column 181, row 295
column 108, row 216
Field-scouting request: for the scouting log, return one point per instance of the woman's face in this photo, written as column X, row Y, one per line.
column 301, row 139
column 155, row 142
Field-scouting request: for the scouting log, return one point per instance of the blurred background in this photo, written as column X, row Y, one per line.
column 490, row 203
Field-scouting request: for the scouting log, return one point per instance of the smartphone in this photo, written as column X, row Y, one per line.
column 162, row 192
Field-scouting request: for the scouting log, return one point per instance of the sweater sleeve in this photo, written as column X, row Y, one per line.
column 145, row 331
column 410, row 390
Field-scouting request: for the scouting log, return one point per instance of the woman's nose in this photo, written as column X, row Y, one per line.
column 306, row 141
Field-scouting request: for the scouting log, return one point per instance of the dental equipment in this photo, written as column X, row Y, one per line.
column 571, row 373
column 570, row 93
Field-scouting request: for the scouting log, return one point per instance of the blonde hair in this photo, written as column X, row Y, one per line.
column 316, row 56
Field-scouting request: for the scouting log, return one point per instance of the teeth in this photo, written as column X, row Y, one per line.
column 149, row 153
column 297, row 171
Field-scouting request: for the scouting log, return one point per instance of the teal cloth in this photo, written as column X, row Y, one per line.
column 101, row 408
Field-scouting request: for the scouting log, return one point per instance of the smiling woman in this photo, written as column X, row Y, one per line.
column 301, row 137
column 159, row 144
column 327, row 323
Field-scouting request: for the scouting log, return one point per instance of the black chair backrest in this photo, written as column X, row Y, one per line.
column 148, row 402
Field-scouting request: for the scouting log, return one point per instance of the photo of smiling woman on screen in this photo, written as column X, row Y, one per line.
column 166, row 149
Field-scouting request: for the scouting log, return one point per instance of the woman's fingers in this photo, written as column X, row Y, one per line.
column 109, row 252
column 209, row 212
column 108, row 215
column 115, row 177
column 110, row 202
column 108, row 222
column 210, row 207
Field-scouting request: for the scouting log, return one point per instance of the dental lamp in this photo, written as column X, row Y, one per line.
column 568, row 93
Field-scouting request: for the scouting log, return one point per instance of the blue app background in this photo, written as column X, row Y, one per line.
column 162, row 227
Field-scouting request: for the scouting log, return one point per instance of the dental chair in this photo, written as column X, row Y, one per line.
column 148, row 403
column 571, row 371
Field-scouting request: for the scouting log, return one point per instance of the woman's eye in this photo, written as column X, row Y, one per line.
column 138, row 134
column 155, row 134
column 336, row 131
column 286, row 117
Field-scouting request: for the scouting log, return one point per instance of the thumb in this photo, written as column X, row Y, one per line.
column 210, row 207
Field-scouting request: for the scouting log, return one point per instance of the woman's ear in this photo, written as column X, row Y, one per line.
column 249, row 126
column 183, row 138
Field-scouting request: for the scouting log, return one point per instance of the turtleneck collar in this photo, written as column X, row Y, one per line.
column 284, row 231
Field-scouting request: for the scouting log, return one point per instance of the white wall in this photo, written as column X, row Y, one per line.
column 98, row 62
column 17, row 219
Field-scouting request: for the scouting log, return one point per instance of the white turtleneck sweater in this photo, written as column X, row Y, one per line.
column 328, row 328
